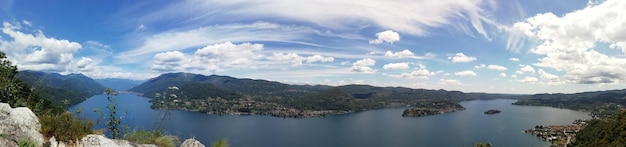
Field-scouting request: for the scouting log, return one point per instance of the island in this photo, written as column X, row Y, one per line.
column 432, row 107
column 492, row 111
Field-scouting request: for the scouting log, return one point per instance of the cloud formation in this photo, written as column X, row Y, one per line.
column 402, row 16
column 396, row 66
column 465, row 73
column 386, row 36
column 364, row 66
column 497, row 67
column 37, row 51
column 461, row 58
column 570, row 42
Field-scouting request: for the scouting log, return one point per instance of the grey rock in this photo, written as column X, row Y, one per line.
column 7, row 143
column 191, row 143
column 20, row 123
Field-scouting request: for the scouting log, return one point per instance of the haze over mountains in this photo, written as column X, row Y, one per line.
column 77, row 87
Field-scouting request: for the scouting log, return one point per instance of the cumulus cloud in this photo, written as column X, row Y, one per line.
column 37, row 51
column 386, row 36
column 531, row 80
column 419, row 73
column 465, row 73
column 480, row 66
column 168, row 61
column 396, row 66
column 401, row 54
column 572, row 43
column 363, row 66
column 526, row 69
column 319, row 58
column 217, row 34
column 460, row 57
column 84, row 64
column 496, row 67
column 549, row 79
column 514, row 59
column 296, row 60
column 502, row 74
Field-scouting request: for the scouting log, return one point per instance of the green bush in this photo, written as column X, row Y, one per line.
column 26, row 143
column 64, row 127
column 220, row 143
column 150, row 137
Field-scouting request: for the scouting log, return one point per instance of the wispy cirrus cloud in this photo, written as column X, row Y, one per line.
column 404, row 16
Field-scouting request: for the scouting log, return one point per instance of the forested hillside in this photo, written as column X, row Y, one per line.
column 223, row 94
column 74, row 88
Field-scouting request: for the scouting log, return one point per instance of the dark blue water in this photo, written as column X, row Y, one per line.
column 374, row 128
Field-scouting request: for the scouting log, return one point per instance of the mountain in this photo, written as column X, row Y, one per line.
column 72, row 87
column 225, row 83
column 224, row 94
column 119, row 84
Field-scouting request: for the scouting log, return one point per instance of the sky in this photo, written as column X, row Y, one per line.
column 513, row 46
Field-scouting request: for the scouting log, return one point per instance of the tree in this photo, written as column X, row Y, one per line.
column 112, row 122
column 17, row 94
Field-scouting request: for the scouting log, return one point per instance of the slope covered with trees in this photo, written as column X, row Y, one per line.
column 223, row 94
column 61, row 89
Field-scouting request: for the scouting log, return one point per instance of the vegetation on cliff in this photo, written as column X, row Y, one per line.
column 432, row 107
column 603, row 132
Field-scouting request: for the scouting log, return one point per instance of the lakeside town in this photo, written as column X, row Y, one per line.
column 558, row 135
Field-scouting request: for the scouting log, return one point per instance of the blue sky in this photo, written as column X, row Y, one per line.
column 517, row 46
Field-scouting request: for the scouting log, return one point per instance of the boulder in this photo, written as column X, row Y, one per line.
column 19, row 123
column 93, row 140
column 191, row 143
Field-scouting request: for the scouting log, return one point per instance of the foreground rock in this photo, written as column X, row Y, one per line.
column 19, row 124
column 191, row 143
column 93, row 140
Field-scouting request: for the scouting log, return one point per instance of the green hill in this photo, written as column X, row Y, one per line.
column 73, row 87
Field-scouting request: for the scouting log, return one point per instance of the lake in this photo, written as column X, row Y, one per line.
column 373, row 128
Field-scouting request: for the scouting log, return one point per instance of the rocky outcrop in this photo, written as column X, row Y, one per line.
column 191, row 143
column 93, row 140
column 19, row 124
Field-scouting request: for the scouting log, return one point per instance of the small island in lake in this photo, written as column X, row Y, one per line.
column 431, row 107
column 492, row 111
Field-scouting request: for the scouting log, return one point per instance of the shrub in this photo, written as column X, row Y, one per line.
column 26, row 143
column 220, row 143
column 150, row 137
column 64, row 127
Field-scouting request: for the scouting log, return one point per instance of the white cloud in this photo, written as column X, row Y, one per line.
column 514, row 59
column 572, row 43
column 460, row 57
column 168, row 61
column 502, row 74
column 319, row 58
column 396, row 66
column 420, row 72
column 207, row 35
column 529, row 80
column 549, row 79
column 526, row 69
column 401, row 54
column 228, row 55
column 386, row 36
column 37, row 51
column 296, row 60
column 403, row 16
column 293, row 58
column 363, row 66
column 84, row 64
column 465, row 73
column 497, row 67
column 480, row 66
column 450, row 82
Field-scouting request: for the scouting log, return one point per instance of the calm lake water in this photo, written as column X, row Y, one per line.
column 374, row 128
